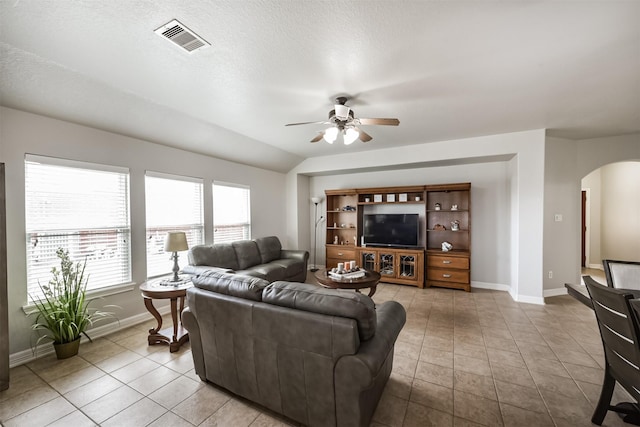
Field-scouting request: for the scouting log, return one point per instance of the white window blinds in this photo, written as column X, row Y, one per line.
column 173, row 203
column 231, row 212
column 81, row 207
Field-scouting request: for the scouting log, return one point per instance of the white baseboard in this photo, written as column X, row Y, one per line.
column 596, row 266
column 529, row 300
column 493, row 286
column 26, row 356
column 555, row 292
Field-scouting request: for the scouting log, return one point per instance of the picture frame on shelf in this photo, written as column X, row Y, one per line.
column 391, row 197
column 377, row 198
column 402, row 197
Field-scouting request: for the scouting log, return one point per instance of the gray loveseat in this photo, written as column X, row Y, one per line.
column 262, row 257
column 318, row 356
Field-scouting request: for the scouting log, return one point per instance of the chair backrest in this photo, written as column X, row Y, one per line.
column 622, row 274
column 619, row 332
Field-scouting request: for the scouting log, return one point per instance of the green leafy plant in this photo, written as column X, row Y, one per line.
column 63, row 313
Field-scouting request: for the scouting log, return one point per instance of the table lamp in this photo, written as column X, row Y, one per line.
column 175, row 242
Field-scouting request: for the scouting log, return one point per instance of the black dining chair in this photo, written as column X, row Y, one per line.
column 620, row 333
column 622, row 274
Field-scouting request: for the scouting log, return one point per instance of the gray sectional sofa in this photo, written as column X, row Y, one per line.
column 262, row 257
column 319, row 356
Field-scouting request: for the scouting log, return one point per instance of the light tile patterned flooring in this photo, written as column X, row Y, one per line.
column 462, row 359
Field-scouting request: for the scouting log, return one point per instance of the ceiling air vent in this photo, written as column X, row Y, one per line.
column 182, row 36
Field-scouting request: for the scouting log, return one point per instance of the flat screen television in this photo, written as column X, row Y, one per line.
column 391, row 230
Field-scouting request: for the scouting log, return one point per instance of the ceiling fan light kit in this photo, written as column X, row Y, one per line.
column 345, row 123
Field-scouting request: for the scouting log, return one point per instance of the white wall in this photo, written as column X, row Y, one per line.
column 22, row 133
column 508, row 171
column 592, row 185
column 490, row 202
column 561, row 197
column 589, row 155
column 620, row 210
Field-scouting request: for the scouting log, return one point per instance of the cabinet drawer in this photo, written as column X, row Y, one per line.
column 439, row 261
column 442, row 275
column 341, row 254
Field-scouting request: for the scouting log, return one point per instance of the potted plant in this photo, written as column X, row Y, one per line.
column 63, row 312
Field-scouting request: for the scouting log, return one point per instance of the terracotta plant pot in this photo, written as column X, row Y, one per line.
column 67, row 349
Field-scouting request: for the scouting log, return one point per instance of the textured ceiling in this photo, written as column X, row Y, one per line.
column 446, row 69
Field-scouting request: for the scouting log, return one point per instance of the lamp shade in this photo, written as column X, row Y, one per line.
column 330, row 135
column 350, row 135
column 175, row 241
column 316, row 200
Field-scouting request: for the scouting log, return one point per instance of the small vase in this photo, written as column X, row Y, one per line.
column 67, row 349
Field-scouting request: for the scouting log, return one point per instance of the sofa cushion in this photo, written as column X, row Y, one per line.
column 292, row 266
column 218, row 255
column 272, row 271
column 246, row 253
column 269, row 248
column 236, row 285
column 333, row 302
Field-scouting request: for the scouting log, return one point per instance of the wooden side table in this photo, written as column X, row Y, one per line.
column 174, row 336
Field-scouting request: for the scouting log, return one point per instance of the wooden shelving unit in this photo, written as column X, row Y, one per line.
column 345, row 209
column 450, row 269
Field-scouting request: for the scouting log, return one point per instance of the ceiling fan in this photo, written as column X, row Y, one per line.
column 344, row 122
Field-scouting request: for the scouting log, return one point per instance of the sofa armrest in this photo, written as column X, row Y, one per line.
column 190, row 323
column 360, row 378
column 299, row 255
column 391, row 317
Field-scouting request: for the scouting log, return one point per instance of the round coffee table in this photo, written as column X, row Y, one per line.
column 176, row 335
column 370, row 280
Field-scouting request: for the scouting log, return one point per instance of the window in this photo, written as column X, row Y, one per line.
column 83, row 208
column 173, row 203
column 231, row 212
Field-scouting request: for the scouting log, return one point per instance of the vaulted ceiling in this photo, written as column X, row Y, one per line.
column 446, row 69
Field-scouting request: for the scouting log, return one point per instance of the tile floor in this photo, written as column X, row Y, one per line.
column 463, row 359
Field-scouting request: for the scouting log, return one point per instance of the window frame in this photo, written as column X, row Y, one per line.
column 173, row 177
column 126, row 259
column 248, row 209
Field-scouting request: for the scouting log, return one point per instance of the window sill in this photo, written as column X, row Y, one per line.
column 92, row 294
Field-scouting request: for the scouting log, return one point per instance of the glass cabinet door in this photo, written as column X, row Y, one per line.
column 386, row 261
column 368, row 261
column 407, row 266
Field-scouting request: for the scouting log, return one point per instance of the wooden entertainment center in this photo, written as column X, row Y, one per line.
column 438, row 208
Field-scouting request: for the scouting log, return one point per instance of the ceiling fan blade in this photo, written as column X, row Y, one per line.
column 386, row 122
column 364, row 137
column 308, row 123
column 318, row 138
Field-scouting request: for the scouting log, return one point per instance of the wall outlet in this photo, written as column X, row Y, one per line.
column 550, row 274
column 557, row 217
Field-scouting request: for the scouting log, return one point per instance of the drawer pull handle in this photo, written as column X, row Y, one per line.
column 446, row 275
column 339, row 253
column 446, row 262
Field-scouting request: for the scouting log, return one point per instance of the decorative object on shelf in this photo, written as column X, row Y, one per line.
column 355, row 240
column 335, row 240
column 367, row 200
column 446, row 246
column 437, row 206
column 316, row 221
column 455, row 225
column 176, row 241
column 343, row 225
column 439, row 227
column 377, row 198
column 417, row 198
column 391, row 197
column 402, row 197
column 349, row 208
column 454, row 207
column 63, row 313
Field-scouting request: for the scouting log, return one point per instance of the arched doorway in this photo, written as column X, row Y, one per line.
column 611, row 214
